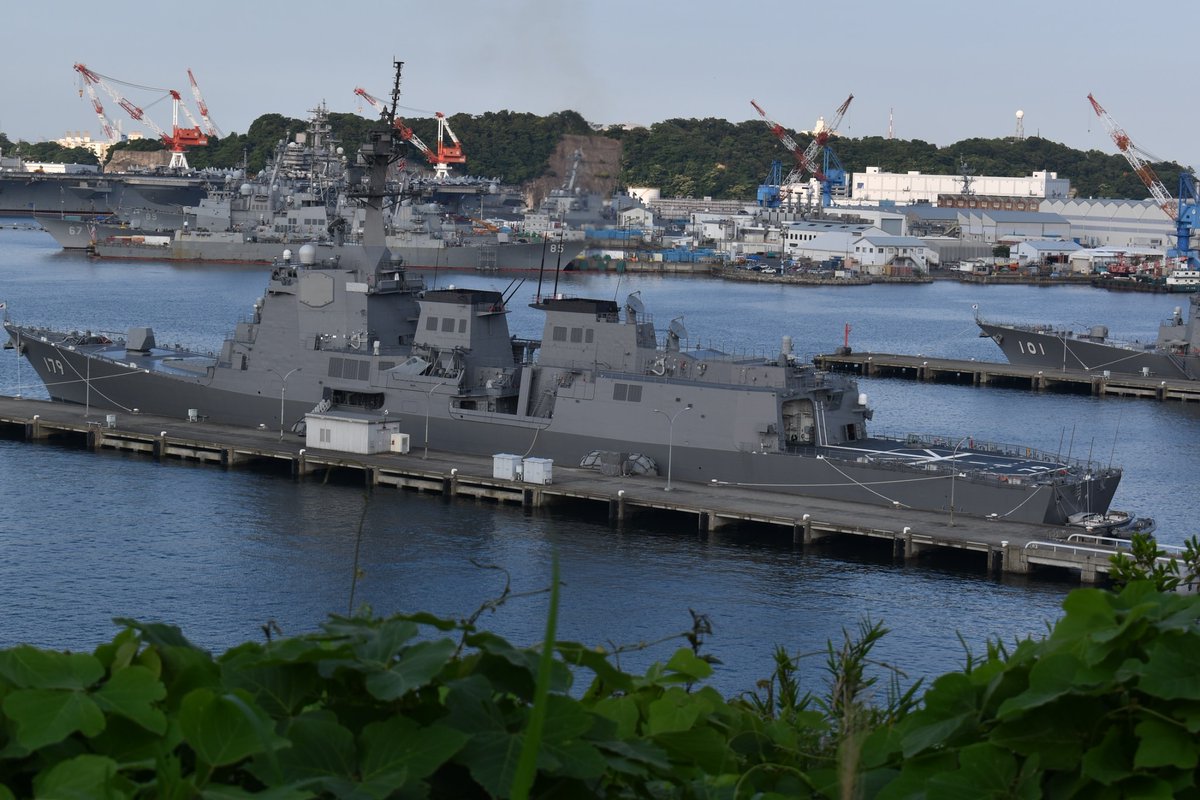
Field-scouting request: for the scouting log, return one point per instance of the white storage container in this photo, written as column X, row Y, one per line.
column 400, row 443
column 506, row 466
column 538, row 470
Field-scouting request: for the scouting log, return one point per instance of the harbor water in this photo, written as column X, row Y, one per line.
column 86, row 537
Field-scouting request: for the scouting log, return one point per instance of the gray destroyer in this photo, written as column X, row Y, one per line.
column 443, row 367
column 1175, row 354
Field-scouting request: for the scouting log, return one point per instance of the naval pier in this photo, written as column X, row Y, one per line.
column 995, row 547
column 991, row 373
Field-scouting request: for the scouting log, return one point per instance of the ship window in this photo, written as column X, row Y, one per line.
column 576, row 335
column 384, row 366
column 560, row 333
column 431, row 324
column 635, row 394
column 364, row 370
column 447, row 324
column 462, row 326
column 325, row 436
column 620, row 391
column 349, row 368
column 335, row 367
column 589, row 335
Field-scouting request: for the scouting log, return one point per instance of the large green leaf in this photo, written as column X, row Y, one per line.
column 400, row 752
column 689, row 666
column 84, row 777
column 1051, row 678
column 622, row 710
column 676, row 710
column 1111, row 760
column 321, row 748
column 703, row 747
column 281, row 689
column 46, row 716
column 132, row 693
column 1169, row 671
column 224, row 729
column 950, row 706
column 417, row 667
column 30, row 668
column 384, row 642
column 491, row 757
column 1162, row 744
column 984, row 771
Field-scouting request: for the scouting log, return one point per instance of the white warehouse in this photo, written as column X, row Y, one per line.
column 876, row 186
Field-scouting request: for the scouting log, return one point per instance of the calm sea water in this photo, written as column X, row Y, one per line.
column 86, row 538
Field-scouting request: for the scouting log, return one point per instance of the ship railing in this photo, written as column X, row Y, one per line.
column 971, row 444
column 1078, row 550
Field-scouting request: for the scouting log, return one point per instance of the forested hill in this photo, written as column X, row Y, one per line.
column 684, row 157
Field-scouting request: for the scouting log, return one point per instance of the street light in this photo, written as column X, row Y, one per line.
column 671, row 438
column 428, row 403
column 953, row 473
column 282, row 392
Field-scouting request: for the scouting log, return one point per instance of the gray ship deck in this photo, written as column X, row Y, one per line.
column 999, row 546
column 994, row 373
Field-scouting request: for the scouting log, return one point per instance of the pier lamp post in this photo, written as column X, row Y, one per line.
column 671, row 438
column 282, row 393
column 428, row 403
column 953, row 473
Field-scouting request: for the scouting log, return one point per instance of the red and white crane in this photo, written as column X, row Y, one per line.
column 209, row 126
column 111, row 130
column 807, row 161
column 1139, row 160
column 178, row 140
column 446, row 154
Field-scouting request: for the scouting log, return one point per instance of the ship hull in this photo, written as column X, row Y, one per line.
column 29, row 193
column 169, row 384
column 82, row 231
column 1056, row 350
column 516, row 257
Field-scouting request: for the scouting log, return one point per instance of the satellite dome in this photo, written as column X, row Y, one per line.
column 308, row 255
column 1020, row 113
column 245, row 189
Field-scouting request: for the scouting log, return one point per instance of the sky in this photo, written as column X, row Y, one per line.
column 942, row 70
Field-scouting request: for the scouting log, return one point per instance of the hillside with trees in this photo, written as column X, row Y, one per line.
column 684, row 157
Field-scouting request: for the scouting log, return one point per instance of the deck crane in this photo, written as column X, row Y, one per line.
column 806, row 159
column 210, row 127
column 178, row 140
column 1182, row 211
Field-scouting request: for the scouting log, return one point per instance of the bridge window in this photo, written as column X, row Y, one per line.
column 431, row 324
column 448, row 325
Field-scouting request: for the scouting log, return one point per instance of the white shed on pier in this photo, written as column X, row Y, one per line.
column 352, row 432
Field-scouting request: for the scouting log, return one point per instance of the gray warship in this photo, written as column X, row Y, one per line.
column 1175, row 354
column 25, row 192
column 599, row 386
column 304, row 197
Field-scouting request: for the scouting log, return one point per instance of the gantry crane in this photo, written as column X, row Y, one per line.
column 209, row 126
column 178, row 140
column 1183, row 210
column 806, row 159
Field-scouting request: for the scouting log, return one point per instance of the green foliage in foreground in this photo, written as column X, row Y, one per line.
column 1107, row 705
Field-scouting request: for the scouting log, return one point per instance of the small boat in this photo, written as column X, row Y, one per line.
column 1115, row 523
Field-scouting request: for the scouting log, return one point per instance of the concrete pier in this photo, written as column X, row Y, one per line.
column 992, row 373
column 1000, row 547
